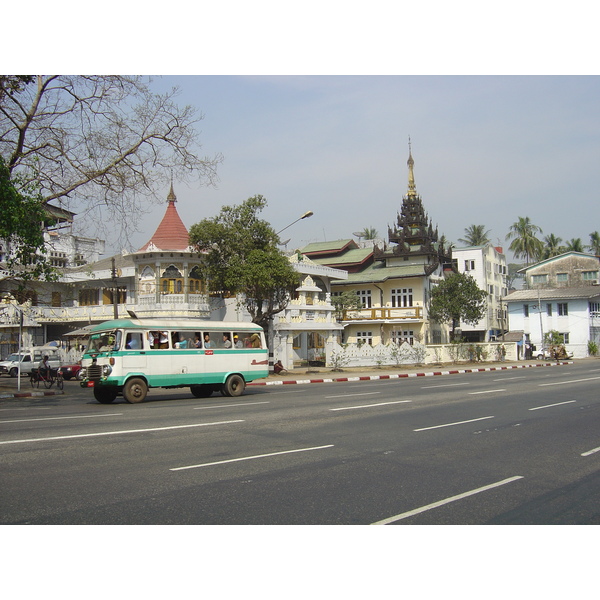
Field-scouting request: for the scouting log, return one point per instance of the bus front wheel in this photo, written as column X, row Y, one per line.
column 135, row 390
column 234, row 386
column 105, row 395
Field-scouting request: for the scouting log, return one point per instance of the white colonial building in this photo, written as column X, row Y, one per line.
column 487, row 265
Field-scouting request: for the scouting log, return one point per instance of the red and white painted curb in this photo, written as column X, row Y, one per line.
column 403, row 375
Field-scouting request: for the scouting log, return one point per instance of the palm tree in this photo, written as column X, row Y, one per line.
column 475, row 236
column 553, row 247
column 574, row 245
column 369, row 233
column 594, row 246
column 525, row 243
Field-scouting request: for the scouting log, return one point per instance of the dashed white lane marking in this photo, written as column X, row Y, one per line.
column 417, row 511
column 232, row 460
column 456, row 423
column 123, row 432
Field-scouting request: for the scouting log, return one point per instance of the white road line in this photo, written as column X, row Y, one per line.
column 352, row 395
column 371, row 405
column 485, row 392
column 103, row 433
column 591, row 452
column 59, row 418
column 232, row 460
column 568, row 382
column 228, row 405
column 431, row 387
column 507, row 378
column 417, row 511
column 451, row 424
column 551, row 405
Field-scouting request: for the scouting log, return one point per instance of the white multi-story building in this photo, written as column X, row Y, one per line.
column 487, row 265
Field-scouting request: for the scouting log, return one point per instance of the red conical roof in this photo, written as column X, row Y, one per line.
column 171, row 234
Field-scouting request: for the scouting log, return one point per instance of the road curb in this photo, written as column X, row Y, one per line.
column 403, row 375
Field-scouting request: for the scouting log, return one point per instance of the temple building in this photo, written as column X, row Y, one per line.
column 394, row 281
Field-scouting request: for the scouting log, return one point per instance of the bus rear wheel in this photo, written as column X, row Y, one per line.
column 135, row 390
column 105, row 395
column 234, row 386
column 202, row 391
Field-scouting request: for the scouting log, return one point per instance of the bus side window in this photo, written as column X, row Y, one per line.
column 179, row 340
column 134, row 341
column 208, row 343
column 153, row 339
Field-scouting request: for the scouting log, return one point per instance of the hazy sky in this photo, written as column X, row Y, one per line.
column 487, row 150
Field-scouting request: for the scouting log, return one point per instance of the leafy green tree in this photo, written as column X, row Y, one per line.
column 594, row 246
column 524, row 243
column 574, row 245
column 457, row 298
column 242, row 259
column 552, row 246
column 476, row 235
column 21, row 219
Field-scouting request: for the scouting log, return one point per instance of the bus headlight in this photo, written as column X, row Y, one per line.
column 106, row 370
column 83, row 373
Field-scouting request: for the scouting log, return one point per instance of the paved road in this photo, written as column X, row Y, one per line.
column 520, row 446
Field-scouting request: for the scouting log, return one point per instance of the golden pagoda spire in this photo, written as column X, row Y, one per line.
column 171, row 197
column 412, row 188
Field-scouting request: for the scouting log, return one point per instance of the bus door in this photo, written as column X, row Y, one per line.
column 135, row 355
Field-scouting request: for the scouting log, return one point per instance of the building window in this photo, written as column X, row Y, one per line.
column 565, row 337
column 172, row 281
column 525, row 310
column 469, row 265
column 563, row 309
column 562, row 277
column 56, row 299
column 398, row 337
column 402, row 297
column 364, row 337
column 88, row 297
column 594, row 309
column 549, row 309
column 589, row 275
column 538, row 279
column 365, row 297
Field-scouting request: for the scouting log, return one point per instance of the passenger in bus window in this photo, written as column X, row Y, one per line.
column 183, row 343
column 226, row 340
column 255, row 340
column 247, row 342
column 175, row 340
column 207, row 342
column 153, row 337
column 236, row 341
column 164, row 339
column 197, row 341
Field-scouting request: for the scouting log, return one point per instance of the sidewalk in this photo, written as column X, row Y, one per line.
column 8, row 385
column 326, row 375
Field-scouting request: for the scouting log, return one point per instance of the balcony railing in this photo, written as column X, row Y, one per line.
column 384, row 314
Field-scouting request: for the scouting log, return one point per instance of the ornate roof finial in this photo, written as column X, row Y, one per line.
column 171, row 197
column 412, row 188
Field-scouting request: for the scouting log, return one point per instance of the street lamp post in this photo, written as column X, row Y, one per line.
column 271, row 333
column 307, row 214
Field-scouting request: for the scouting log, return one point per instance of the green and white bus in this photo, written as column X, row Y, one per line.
column 129, row 356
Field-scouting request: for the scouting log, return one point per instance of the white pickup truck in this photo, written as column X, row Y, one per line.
column 29, row 360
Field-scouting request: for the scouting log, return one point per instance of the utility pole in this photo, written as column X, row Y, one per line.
column 115, row 290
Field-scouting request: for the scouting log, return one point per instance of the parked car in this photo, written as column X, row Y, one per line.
column 29, row 360
column 547, row 354
column 71, row 371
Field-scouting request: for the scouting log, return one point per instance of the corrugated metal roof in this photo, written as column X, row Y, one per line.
column 379, row 272
column 553, row 294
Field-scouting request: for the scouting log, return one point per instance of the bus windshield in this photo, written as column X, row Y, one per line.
column 104, row 341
